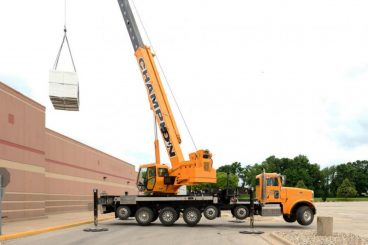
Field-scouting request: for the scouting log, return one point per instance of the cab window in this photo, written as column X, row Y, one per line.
column 151, row 172
column 142, row 177
column 162, row 172
column 257, row 181
column 272, row 182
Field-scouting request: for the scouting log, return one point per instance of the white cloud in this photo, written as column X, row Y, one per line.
column 253, row 78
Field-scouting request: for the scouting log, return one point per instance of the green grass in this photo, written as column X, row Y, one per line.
column 244, row 196
column 342, row 199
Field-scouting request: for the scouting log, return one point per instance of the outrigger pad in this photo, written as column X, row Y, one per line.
column 95, row 229
column 251, row 232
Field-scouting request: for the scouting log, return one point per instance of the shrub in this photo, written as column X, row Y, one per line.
column 346, row 189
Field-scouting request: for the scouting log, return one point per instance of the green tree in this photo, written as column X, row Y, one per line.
column 235, row 168
column 222, row 180
column 295, row 169
column 325, row 182
column 356, row 172
column 346, row 189
column 301, row 184
column 328, row 174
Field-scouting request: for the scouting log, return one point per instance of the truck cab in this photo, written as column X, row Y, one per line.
column 295, row 204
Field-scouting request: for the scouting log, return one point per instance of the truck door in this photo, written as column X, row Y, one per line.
column 273, row 189
column 151, row 178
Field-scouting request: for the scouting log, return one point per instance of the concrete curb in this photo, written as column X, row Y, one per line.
column 48, row 229
column 280, row 239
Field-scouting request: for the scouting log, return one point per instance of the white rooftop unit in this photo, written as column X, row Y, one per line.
column 64, row 85
column 64, row 90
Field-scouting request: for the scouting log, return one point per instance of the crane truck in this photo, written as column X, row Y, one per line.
column 160, row 184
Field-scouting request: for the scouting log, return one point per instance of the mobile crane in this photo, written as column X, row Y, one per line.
column 160, row 183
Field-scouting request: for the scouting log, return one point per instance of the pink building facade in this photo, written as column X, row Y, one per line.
column 46, row 172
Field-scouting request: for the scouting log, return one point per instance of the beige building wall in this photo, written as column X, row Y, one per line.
column 50, row 172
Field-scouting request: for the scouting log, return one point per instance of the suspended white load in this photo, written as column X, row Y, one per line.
column 64, row 90
column 64, row 85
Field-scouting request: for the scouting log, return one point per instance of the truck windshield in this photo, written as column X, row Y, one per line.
column 272, row 182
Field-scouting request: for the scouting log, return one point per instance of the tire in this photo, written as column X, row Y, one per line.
column 168, row 216
column 178, row 212
column 304, row 215
column 241, row 212
column 155, row 216
column 144, row 216
column 192, row 216
column 289, row 218
column 211, row 212
column 123, row 212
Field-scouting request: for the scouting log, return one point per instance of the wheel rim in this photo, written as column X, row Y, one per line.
column 307, row 215
column 210, row 212
column 168, row 216
column 192, row 216
column 123, row 212
column 143, row 216
column 241, row 212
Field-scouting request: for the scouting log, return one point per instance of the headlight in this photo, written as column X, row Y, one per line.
column 313, row 195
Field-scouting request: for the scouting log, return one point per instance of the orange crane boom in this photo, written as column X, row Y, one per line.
column 158, row 178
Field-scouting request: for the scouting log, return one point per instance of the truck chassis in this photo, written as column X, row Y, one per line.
column 147, row 209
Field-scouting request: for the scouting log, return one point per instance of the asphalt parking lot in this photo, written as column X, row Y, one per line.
column 348, row 217
column 219, row 231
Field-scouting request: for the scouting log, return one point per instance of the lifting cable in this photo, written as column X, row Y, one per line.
column 65, row 39
column 163, row 73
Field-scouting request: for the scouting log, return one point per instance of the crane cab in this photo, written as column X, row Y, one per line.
column 155, row 178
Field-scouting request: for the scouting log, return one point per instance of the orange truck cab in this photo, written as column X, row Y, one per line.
column 295, row 204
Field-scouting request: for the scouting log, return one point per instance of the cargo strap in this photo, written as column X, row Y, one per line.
column 65, row 39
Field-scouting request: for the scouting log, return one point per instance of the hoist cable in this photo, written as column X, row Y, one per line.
column 65, row 14
column 155, row 125
column 65, row 38
column 165, row 78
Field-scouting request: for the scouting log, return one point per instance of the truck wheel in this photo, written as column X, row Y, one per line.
column 192, row 216
column 210, row 212
column 168, row 216
column 289, row 218
column 123, row 212
column 241, row 212
column 304, row 215
column 144, row 216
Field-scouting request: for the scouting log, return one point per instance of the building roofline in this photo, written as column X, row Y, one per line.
column 86, row 146
column 19, row 95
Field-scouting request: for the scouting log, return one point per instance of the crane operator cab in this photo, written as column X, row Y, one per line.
column 155, row 178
